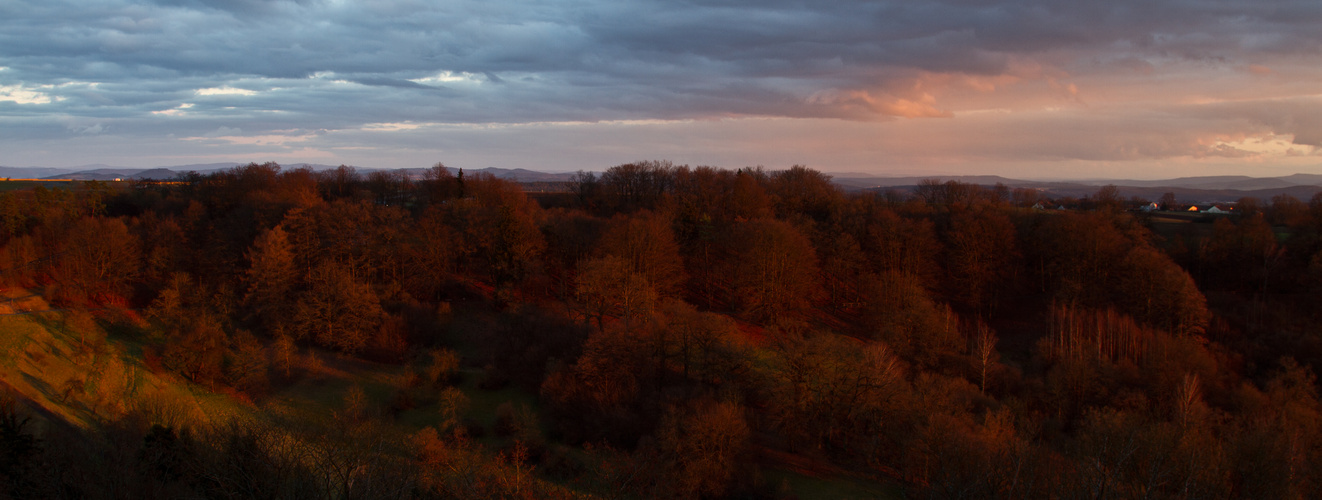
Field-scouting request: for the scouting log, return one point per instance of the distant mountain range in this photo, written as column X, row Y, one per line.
column 1222, row 188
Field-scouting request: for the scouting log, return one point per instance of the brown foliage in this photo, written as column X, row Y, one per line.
column 772, row 270
column 272, row 278
column 97, row 255
column 647, row 243
column 702, row 447
column 337, row 310
column 609, row 287
column 981, row 256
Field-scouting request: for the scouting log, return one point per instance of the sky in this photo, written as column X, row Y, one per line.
column 1059, row 89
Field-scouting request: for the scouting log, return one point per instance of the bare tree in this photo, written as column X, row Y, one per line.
column 984, row 351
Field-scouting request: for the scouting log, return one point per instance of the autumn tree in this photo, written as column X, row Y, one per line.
column 801, row 191
column 1025, row 197
column 272, row 278
column 389, row 187
column 498, row 229
column 195, row 341
column 901, row 244
column 1161, row 293
column 930, row 191
column 586, row 189
column 773, row 269
column 1242, row 255
column 339, row 182
column 701, row 448
column 647, row 243
column 285, row 354
column 1076, row 256
column 430, row 248
column 608, row 286
column 897, row 309
column 833, row 393
column 1286, row 210
column 700, row 346
column 843, row 266
column 598, row 396
column 1168, row 201
column 1107, row 199
column 196, row 348
column 337, row 310
column 437, row 185
column 98, row 254
column 571, row 237
column 638, row 185
column 748, row 198
column 981, row 254
column 247, row 367
column 699, row 194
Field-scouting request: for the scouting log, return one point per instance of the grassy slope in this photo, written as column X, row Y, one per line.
column 42, row 349
column 63, row 375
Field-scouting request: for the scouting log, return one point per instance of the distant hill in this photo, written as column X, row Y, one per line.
column 512, row 174
column 524, row 175
column 1235, row 182
column 110, row 174
column 1187, row 189
column 1186, row 195
column 1183, row 194
column 30, row 172
column 1304, row 179
column 865, row 182
column 160, row 174
column 1204, row 189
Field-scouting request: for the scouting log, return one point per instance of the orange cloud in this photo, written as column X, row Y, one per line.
column 861, row 102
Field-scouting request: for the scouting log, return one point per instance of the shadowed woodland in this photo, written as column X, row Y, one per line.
column 666, row 332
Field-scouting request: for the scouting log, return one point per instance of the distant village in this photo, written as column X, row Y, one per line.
column 1141, row 206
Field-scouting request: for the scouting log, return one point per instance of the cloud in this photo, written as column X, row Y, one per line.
column 23, row 95
column 224, row 90
column 93, row 129
column 861, row 103
column 223, row 132
column 391, row 127
column 1142, row 72
column 704, row 58
column 281, row 139
column 392, row 82
column 179, row 110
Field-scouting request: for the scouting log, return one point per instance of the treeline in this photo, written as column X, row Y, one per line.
column 680, row 325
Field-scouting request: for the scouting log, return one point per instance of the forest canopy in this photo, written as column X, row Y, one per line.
column 676, row 332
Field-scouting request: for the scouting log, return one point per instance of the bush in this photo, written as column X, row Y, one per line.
column 442, row 368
